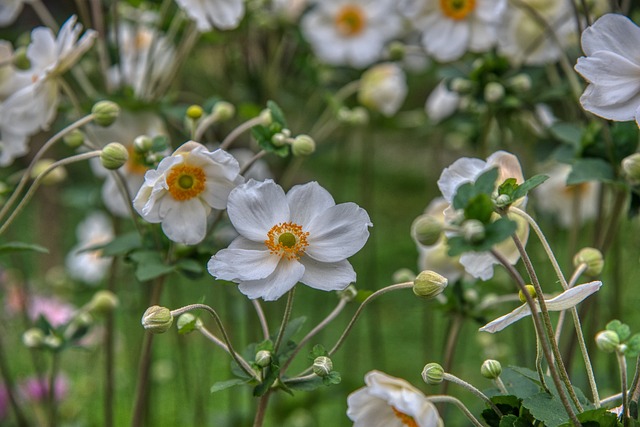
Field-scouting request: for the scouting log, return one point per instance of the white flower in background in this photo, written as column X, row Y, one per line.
column 289, row 9
column 390, row 402
column 570, row 204
column 450, row 28
column 612, row 68
column 124, row 130
column 350, row 32
column 569, row 298
column 90, row 266
column 9, row 11
column 525, row 40
column 209, row 14
column 259, row 170
column 463, row 170
column 302, row 236
column 441, row 103
column 383, row 88
column 184, row 189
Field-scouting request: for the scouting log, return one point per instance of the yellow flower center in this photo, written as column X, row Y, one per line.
column 287, row 240
column 186, row 182
column 406, row 419
column 457, row 9
column 135, row 163
column 350, row 20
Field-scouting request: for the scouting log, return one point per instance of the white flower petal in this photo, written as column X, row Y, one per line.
column 611, row 32
column 502, row 322
column 240, row 264
column 185, row 222
column 284, row 277
column 308, row 201
column 327, row 276
column 573, row 296
column 478, row 264
column 461, row 171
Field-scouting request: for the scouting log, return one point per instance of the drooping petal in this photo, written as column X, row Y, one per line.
column 241, row 264
column 308, row 201
column 503, row 321
column 284, row 277
column 614, row 33
column 327, row 276
column 185, row 222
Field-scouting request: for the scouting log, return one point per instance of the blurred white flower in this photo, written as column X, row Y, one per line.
column 383, row 88
column 350, row 32
column 184, row 189
column 568, row 203
column 391, row 402
column 290, row 9
column 90, row 266
column 450, row 28
column 612, row 68
column 569, row 298
column 441, row 103
column 259, row 170
column 302, row 236
column 209, row 14
column 9, row 11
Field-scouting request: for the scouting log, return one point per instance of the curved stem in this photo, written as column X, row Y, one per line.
column 260, row 154
column 452, row 378
column 459, row 404
column 498, row 382
column 261, row 317
column 635, row 384
column 285, row 319
column 217, row 341
column 622, row 364
column 234, row 134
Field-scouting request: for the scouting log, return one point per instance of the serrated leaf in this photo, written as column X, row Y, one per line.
column 332, row 379
column 120, row 245
column 223, row 385
column 266, row 345
column 508, row 405
column 318, row 351
column 633, row 346
column 12, row 247
column 545, row 407
column 479, row 207
column 508, row 187
column 508, row 421
column 596, row 418
column 619, row 328
column 149, row 265
column 524, row 188
column 485, row 184
column 310, row 384
column 276, row 113
column 567, row 132
column 590, row 169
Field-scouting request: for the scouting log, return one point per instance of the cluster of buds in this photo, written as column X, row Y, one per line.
column 301, row 145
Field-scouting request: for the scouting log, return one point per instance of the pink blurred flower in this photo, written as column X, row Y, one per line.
column 37, row 389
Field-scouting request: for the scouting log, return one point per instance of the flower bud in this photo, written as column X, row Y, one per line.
column 349, row 293
column 531, row 290
column 493, row 92
column 502, row 200
column 263, row 358
column 142, row 144
column 592, row 258
column 265, row 117
column 427, row 229
column 33, row 338
column 194, row 112
column 224, row 110
column 114, row 155
column 607, row 341
column 21, row 59
column 54, row 176
column 51, row 341
column 403, row 275
column 433, row 374
column 105, row 113
column 397, row 51
column 429, row 284
column 102, row 302
column 279, row 139
column 157, row 319
column 520, row 82
column 473, row 230
column 461, row 85
column 631, row 168
column 491, row 369
column 74, row 139
column 322, row 366
column 303, row 145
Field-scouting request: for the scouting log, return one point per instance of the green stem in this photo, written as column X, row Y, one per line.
column 459, row 404
column 53, row 405
column 498, row 382
column 217, row 341
column 285, row 319
column 244, row 127
column 262, row 318
column 261, row 411
column 539, row 354
column 452, row 378
column 622, row 364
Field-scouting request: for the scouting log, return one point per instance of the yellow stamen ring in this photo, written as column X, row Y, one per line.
column 350, row 20
column 406, row 419
column 186, row 182
column 457, row 9
column 287, row 240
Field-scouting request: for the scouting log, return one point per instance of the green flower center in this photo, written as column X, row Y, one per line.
column 287, row 240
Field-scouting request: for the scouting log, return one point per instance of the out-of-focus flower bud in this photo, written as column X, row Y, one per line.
column 54, row 176
column 303, row 145
column 142, row 144
column 427, row 229
column 157, row 319
column 461, row 85
column 348, row 293
column 473, row 230
column 520, row 82
column 403, row 275
column 74, row 139
column 531, row 290
column 592, row 258
column 194, row 112
column 103, row 302
column 224, row 110
column 263, row 358
column 607, row 341
column 265, row 117
column 433, row 373
column 493, row 92
column 397, row 51
column 322, row 366
column 631, row 168
column 105, row 113
column 114, row 155
column 429, row 284
column 33, row 338
column 491, row 369
column 52, row 342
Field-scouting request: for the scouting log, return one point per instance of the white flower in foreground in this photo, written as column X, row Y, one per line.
column 302, row 236
column 390, row 402
column 184, row 189
column 383, row 88
column 350, row 32
column 450, row 28
column 612, row 67
column 9, row 11
column 222, row 14
column 441, row 103
column 90, row 266
column 569, row 298
column 463, row 170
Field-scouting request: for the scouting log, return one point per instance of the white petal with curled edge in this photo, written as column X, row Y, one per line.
column 284, row 277
column 242, row 264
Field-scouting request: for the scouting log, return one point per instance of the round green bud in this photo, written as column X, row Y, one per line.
column 105, row 113
column 429, row 284
column 631, row 168
column 103, row 302
column 397, row 51
column 187, row 322
column 194, row 112
column 427, row 229
column 52, row 342
column 433, row 374
column 142, row 144
column 349, row 293
column 33, row 338
column 520, row 82
column 461, row 85
column 303, row 145
column 322, row 366
column 263, row 358
column 224, row 110
column 20, row 58
column 493, row 92
column 265, row 117
column 502, row 200
column 74, row 139
column 157, row 319
column 531, row 290
column 54, row 176
column 592, row 258
column 403, row 275
column 114, row 155
column 491, row 369
column 473, row 230
column 279, row 139
column 607, row 341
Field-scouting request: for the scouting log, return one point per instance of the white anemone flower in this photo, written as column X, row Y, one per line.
column 612, row 67
column 566, row 300
column 441, row 103
column 450, row 28
column 383, row 88
column 90, row 266
column 464, row 170
column 9, row 11
column 184, row 189
column 388, row 401
column 350, row 32
column 209, row 14
column 302, row 236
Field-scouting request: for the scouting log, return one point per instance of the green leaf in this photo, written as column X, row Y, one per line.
column 159, row 143
column 149, row 265
column 479, row 207
column 485, row 184
column 508, row 187
column 310, row 384
column 186, row 324
column 332, row 379
column 276, row 113
column 223, row 385
column 291, row 329
column 567, row 132
column 547, row 408
column 120, row 245
column 619, row 328
column 318, row 351
column 264, row 345
column 590, row 169
column 596, row 418
column 633, row 346
column 508, row 405
column 12, row 247
column 524, row 188
column 271, row 374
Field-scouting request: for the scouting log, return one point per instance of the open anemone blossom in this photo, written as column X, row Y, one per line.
column 302, row 236
column 184, row 189
column 350, row 32
column 390, row 402
column 222, row 14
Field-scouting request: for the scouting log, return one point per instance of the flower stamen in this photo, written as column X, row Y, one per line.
column 186, row 182
column 350, row 20
column 404, row 418
column 287, row 240
column 457, row 9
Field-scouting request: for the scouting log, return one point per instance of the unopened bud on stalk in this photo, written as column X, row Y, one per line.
column 142, row 144
column 51, row 341
column 631, row 168
column 531, row 290
column 427, row 229
column 265, row 117
column 33, row 338
column 194, row 112
column 348, row 293
column 461, row 85
column 114, row 155
column 105, row 113
column 322, row 366
column 53, row 177
column 279, row 139
column 303, row 145
column 592, row 258
column 429, row 284
column 502, row 200
column 263, row 358
column 103, row 302
column 20, row 58
column 433, row 374
column 74, row 139
column 397, row 51
column 520, row 82
column 491, row 369
column 493, row 92
column 473, row 230
column 607, row 341
column 403, row 275
column 157, row 320
column 224, row 110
